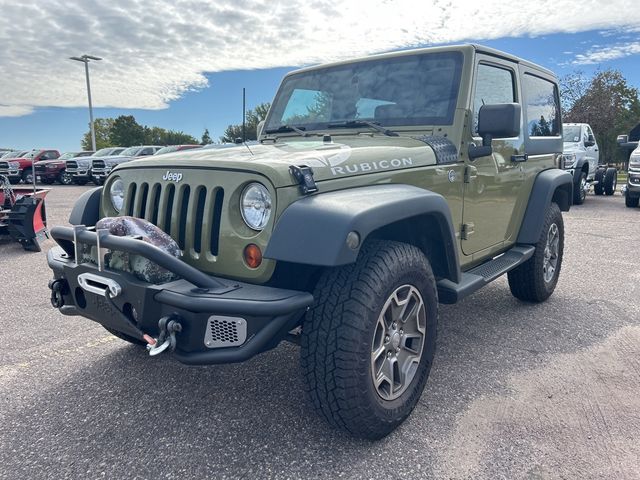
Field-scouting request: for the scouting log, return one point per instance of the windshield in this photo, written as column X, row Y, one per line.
column 130, row 152
column 169, row 149
column 403, row 90
column 570, row 133
column 102, row 152
column 67, row 156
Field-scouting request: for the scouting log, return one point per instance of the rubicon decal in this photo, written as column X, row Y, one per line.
column 172, row 176
column 337, row 162
column 372, row 166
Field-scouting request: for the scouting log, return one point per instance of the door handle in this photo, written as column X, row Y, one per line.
column 520, row 158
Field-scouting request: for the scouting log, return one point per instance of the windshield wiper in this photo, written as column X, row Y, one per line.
column 288, row 128
column 363, row 123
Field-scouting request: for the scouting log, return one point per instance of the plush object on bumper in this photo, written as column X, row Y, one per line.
column 141, row 267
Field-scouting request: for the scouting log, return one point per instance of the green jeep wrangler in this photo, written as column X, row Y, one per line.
column 380, row 187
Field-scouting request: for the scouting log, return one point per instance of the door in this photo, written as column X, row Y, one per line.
column 592, row 151
column 491, row 182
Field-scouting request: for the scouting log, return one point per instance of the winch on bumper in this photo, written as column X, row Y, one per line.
column 220, row 321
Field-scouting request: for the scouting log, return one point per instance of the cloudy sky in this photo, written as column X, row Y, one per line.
column 181, row 64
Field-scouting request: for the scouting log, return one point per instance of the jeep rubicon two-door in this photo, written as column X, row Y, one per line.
column 380, row 187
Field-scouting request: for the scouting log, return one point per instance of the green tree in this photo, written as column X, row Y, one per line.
column 253, row 117
column 610, row 106
column 126, row 132
column 206, row 139
column 102, row 127
column 161, row 136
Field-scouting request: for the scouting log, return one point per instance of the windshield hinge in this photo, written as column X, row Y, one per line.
column 470, row 172
column 304, row 176
column 468, row 229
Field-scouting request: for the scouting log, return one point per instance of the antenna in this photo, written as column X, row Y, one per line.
column 244, row 114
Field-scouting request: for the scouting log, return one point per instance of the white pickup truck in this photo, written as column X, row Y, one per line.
column 582, row 158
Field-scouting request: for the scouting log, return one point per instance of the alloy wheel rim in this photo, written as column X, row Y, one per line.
column 398, row 342
column 583, row 185
column 551, row 250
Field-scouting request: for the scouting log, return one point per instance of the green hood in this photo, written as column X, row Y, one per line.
column 354, row 155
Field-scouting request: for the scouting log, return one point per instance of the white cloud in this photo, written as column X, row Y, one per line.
column 599, row 54
column 156, row 50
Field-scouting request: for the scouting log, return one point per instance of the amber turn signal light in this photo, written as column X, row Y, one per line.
column 252, row 255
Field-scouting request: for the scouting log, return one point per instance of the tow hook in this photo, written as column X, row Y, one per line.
column 168, row 327
column 58, row 289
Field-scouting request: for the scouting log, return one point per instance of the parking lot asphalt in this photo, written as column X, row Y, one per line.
column 516, row 391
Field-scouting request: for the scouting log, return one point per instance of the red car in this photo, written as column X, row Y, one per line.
column 21, row 168
column 49, row 171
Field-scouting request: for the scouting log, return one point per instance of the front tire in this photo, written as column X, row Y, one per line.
column 27, row 176
column 369, row 340
column 631, row 202
column 536, row 279
column 65, row 178
column 80, row 181
column 579, row 193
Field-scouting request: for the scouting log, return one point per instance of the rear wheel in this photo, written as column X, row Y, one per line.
column 536, row 279
column 369, row 340
column 610, row 181
column 579, row 192
column 631, row 202
column 598, row 188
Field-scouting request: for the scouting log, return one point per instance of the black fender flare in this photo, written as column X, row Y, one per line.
column 314, row 230
column 577, row 170
column 549, row 186
column 86, row 210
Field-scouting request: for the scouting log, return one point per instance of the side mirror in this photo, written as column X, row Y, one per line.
column 622, row 139
column 590, row 141
column 496, row 121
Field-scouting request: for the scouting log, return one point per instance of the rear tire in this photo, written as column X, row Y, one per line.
column 610, row 181
column 359, row 344
column 631, row 202
column 579, row 193
column 598, row 188
column 536, row 279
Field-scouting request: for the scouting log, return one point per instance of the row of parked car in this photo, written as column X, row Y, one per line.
column 73, row 167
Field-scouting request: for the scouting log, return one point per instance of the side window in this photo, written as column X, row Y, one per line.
column 493, row 85
column 146, row 151
column 590, row 133
column 543, row 112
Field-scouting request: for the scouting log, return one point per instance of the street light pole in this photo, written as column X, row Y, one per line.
column 85, row 59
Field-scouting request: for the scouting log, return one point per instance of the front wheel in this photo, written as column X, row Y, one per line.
column 27, row 176
column 579, row 189
column 80, row 181
column 536, row 279
column 369, row 340
column 631, row 202
column 65, row 178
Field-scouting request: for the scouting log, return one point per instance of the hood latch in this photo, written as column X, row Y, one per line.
column 304, row 176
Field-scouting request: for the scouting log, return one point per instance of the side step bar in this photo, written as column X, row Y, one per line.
column 478, row 277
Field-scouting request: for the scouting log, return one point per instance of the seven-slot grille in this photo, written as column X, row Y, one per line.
column 191, row 214
column 72, row 164
column 98, row 164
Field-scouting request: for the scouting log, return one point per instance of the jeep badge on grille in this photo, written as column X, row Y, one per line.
column 172, row 176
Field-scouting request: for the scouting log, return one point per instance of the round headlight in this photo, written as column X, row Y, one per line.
column 255, row 206
column 116, row 193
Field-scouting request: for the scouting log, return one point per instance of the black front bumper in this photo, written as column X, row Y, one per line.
column 194, row 300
